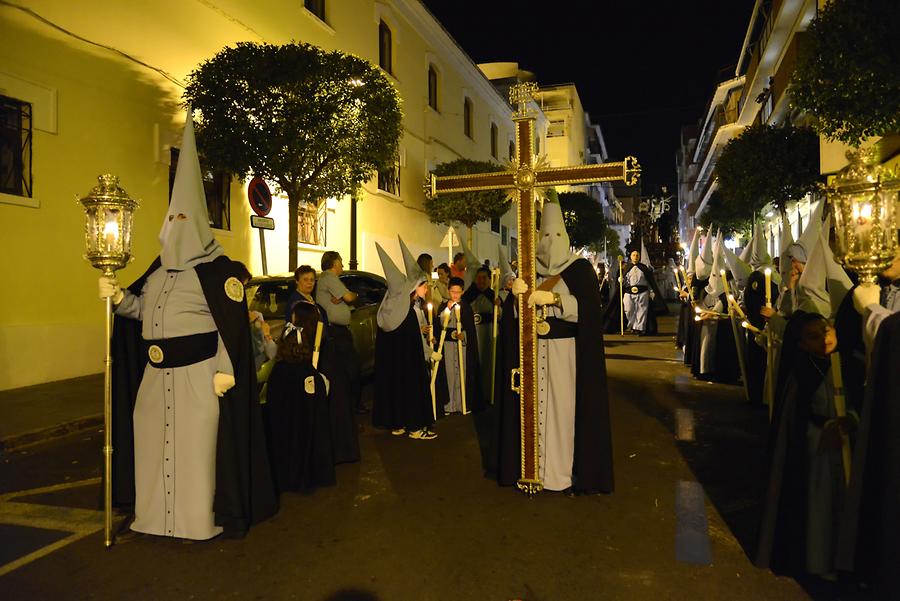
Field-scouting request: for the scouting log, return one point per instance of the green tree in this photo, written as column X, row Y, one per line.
column 583, row 217
column 848, row 78
column 767, row 163
column 723, row 215
column 467, row 208
column 316, row 123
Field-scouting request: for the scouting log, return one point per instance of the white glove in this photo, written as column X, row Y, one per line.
column 222, row 383
column 540, row 297
column 519, row 286
column 652, row 295
column 109, row 288
column 436, row 356
column 865, row 295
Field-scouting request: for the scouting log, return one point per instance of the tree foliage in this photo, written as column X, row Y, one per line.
column 767, row 163
column 583, row 217
column 722, row 214
column 316, row 123
column 467, row 208
column 848, row 77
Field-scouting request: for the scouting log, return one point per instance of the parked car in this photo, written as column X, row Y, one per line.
column 269, row 296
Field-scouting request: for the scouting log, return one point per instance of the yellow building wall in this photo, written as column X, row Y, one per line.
column 111, row 115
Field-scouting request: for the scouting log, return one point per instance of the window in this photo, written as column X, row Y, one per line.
column 316, row 7
column 504, row 235
column 311, row 222
column 15, row 147
column 495, row 225
column 494, row 152
column 467, row 117
column 556, row 129
column 389, row 179
column 385, row 58
column 216, row 185
column 512, row 150
column 432, row 88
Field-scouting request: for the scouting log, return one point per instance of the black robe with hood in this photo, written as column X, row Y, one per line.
column 592, row 471
column 245, row 493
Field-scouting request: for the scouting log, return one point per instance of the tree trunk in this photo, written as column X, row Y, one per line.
column 293, row 208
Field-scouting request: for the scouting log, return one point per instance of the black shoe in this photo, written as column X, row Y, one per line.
column 570, row 492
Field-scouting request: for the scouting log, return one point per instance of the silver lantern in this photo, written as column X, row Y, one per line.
column 864, row 201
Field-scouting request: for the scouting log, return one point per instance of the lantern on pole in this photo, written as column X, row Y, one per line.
column 864, row 199
column 108, row 221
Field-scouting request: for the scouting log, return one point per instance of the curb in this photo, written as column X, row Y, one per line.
column 18, row 441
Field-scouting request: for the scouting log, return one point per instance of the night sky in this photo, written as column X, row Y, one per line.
column 642, row 69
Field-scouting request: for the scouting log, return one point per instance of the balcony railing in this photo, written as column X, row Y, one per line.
column 311, row 223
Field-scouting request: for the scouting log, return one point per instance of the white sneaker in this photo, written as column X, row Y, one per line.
column 423, row 434
column 399, row 432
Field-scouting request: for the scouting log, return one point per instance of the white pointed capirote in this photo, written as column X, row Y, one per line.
column 645, row 256
column 554, row 253
column 787, row 239
column 812, row 287
column 395, row 306
column 693, row 251
column 715, row 287
column 802, row 248
column 738, row 268
column 413, row 269
column 759, row 256
column 186, row 238
column 704, row 261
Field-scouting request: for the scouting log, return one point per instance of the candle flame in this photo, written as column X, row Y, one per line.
column 111, row 229
column 768, row 271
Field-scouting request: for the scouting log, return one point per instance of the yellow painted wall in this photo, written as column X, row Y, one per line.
column 97, row 112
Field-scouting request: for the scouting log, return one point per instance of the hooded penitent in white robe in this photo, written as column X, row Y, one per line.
column 176, row 416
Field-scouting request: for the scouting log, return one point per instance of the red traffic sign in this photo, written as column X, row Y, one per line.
column 260, row 196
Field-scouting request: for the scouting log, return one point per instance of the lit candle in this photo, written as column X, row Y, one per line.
column 316, row 344
column 111, row 234
column 768, row 274
column 430, row 321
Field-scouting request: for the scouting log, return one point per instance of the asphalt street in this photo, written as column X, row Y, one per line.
column 417, row 520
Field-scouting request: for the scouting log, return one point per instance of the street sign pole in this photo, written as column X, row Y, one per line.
column 262, row 251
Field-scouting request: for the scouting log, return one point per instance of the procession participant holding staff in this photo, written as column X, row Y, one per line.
column 452, row 393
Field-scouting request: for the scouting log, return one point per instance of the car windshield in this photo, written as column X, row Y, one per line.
column 270, row 297
column 369, row 290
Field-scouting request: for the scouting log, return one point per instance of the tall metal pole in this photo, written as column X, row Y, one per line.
column 107, row 429
column 354, row 263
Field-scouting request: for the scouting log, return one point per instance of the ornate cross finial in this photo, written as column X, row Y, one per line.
column 520, row 94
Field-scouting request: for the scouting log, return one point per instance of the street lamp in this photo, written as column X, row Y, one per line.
column 108, row 220
column 863, row 197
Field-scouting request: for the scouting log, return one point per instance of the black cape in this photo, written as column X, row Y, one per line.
column 474, row 400
column 592, row 471
column 783, row 532
column 870, row 533
column 610, row 319
column 299, row 428
column 337, row 367
column 754, row 299
column 245, row 493
column 402, row 381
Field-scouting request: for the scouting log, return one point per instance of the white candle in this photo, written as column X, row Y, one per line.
column 111, row 234
column 768, row 274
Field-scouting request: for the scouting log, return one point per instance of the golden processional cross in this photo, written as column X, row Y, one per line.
column 522, row 178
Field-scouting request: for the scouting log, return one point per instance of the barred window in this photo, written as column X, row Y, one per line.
column 512, row 150
column 467, row 117
column 216, row 185
column 494, row 152
column 389, row 179
column 432, row 87
column 495, row 225
column 385, row 54
column 311, row 222
column 15, row 147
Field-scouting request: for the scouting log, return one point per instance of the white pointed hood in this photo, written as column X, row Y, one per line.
column 703, row 263
column 645, row 256
column 715, row 287
column 824, row 283
column 413, row 269
column 395, row 306
column 472, row 262
column 554, row 253
column 506, row 272
column 787, row 239
column 693, row 252
column 738, row 268
column 803, row 247
column 186, row 239
column 759, row 255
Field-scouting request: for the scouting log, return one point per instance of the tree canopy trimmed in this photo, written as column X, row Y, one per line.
column 316, row 123
column 767, row 163
column 467, row 208
column 583, row 217
column 848, row 77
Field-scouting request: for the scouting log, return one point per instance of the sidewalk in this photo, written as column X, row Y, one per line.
column 43, row 411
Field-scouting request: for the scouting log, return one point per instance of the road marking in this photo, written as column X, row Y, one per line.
column 684, row 425
column 79, row 522
column 691, row 530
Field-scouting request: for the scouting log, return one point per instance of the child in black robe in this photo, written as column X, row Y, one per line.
column 297, row 409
